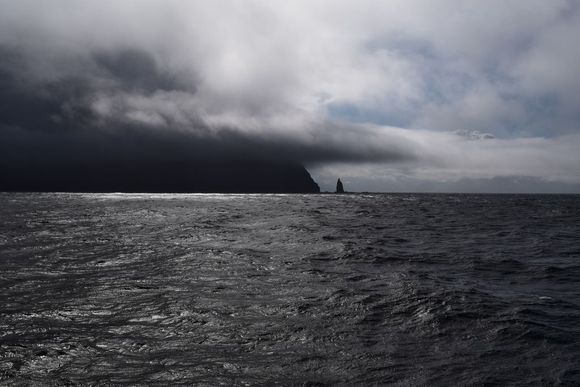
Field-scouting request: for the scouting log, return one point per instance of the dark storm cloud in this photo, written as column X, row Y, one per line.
column 54, row 121
column 133, row 69
column 42, row 104
column 315, row 82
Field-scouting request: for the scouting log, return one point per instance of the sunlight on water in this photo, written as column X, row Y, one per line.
column 290, row 289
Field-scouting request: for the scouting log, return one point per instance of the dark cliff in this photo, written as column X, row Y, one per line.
column 198, row 176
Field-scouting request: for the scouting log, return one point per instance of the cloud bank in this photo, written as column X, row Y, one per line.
column 380, row 92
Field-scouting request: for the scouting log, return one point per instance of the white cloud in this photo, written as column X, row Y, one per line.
column 279, row 68
column 445, row 160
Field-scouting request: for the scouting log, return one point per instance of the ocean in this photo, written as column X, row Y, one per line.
column 354, row 289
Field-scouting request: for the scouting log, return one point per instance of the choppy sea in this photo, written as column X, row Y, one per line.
column 362, row 289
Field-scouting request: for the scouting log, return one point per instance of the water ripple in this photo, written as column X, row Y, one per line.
column 289, row 289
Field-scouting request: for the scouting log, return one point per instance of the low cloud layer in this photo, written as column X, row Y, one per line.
column 383, row 93
column 456, row 163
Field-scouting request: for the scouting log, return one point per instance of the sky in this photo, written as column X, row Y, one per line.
column 390, row 95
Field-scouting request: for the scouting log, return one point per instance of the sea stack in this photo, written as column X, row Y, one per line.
column 339, row 187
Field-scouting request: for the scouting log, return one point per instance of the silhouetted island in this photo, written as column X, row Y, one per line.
column 339, row 187
column 178, row 177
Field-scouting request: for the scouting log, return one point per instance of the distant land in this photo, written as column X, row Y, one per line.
column 159, row 177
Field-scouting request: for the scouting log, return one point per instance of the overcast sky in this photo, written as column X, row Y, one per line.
column 390, row 95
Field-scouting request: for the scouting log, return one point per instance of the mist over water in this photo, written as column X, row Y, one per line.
column 408, row 289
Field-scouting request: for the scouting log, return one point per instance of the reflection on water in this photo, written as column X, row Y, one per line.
column 289, row 289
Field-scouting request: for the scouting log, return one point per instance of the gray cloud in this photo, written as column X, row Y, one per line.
column 124, row 106
column 319, row 82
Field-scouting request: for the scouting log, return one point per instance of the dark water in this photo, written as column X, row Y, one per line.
column 288, row 289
